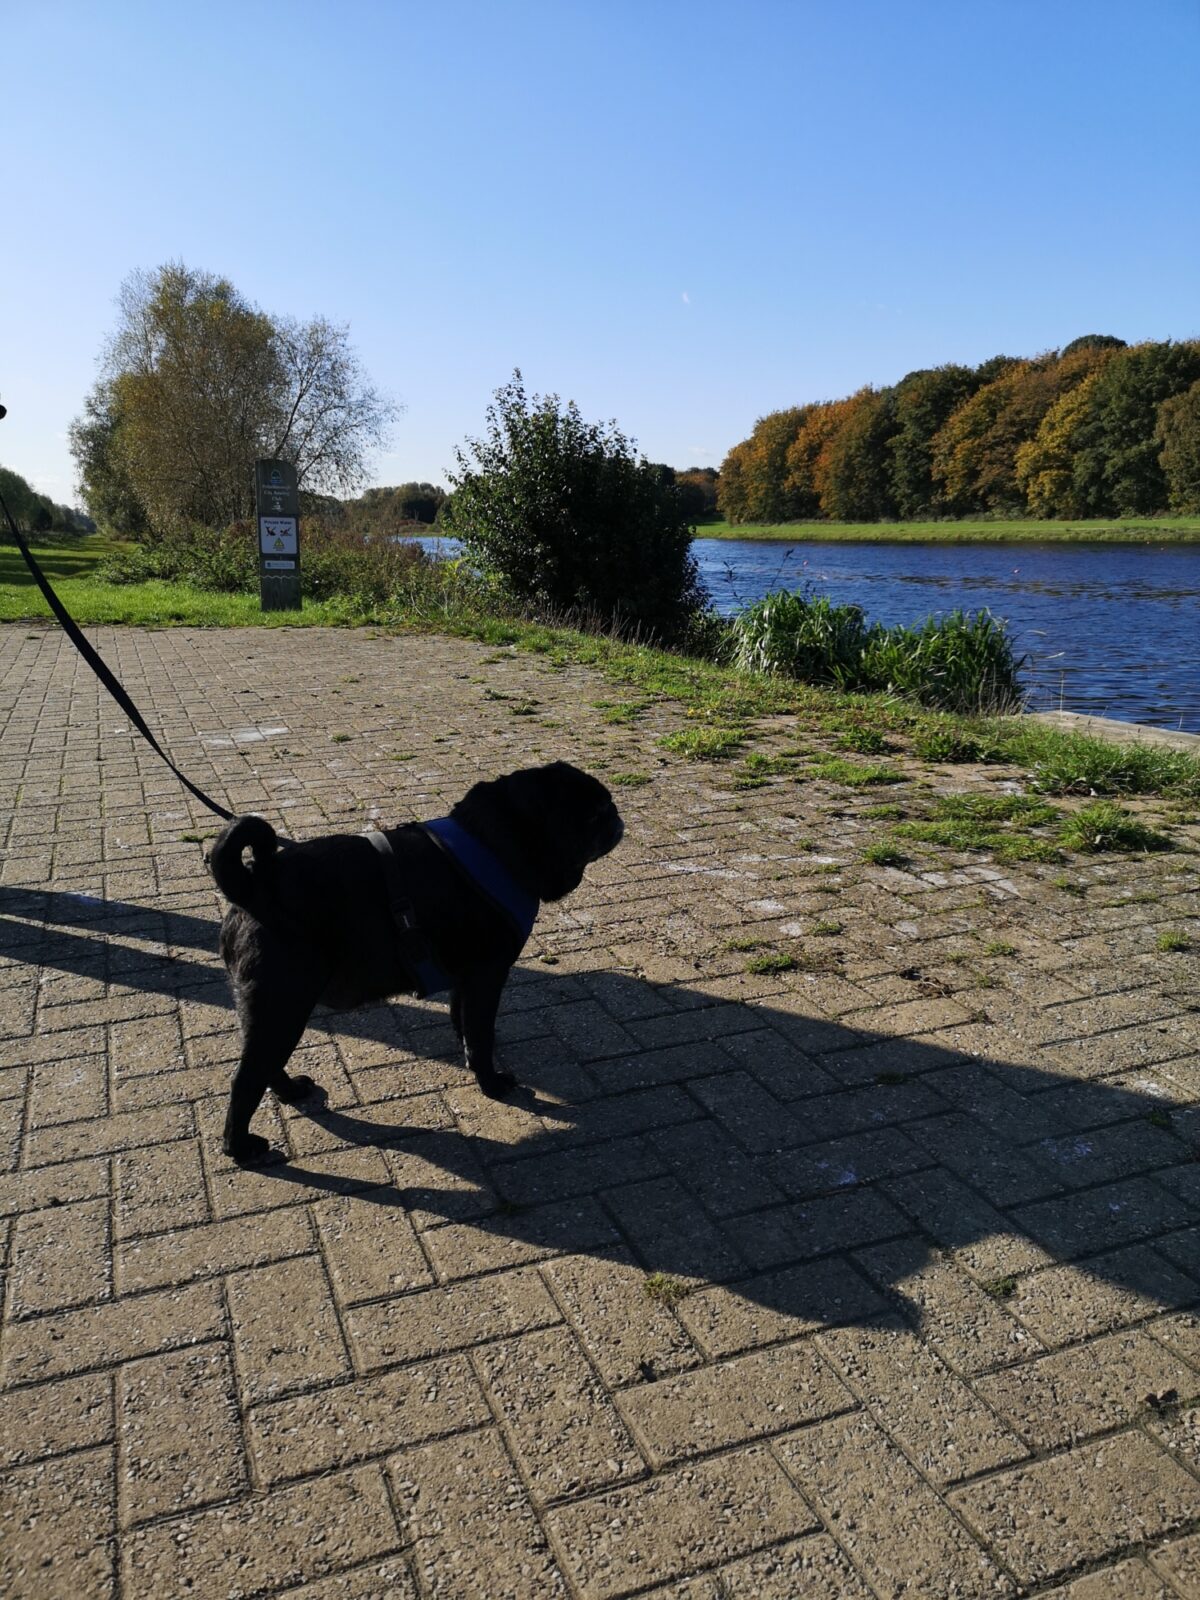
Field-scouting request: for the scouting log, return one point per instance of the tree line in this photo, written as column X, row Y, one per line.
column 37, row 513
column 1097, row 429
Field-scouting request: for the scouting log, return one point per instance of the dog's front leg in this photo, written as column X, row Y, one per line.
column 473, row 1007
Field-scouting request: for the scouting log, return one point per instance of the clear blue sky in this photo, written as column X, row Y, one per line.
column 678, row 215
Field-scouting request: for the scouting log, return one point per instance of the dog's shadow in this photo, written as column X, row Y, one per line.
column 814, row 1167
column 817, row 1168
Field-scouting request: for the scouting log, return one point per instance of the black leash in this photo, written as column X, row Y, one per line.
column 97, row 664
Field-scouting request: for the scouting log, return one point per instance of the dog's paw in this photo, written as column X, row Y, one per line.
column 497, row 1085
column 252, row 1150
column 294, row 1088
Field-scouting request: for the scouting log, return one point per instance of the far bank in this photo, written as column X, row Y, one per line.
column 1123, row 530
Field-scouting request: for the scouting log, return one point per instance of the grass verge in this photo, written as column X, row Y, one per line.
column 729, row 706
column 1119, row 530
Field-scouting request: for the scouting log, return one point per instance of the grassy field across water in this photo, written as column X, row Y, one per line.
column 1125, row 530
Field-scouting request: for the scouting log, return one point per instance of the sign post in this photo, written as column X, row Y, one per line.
column 277, row 502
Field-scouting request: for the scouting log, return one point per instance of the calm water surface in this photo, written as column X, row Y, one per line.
column 1111, row 629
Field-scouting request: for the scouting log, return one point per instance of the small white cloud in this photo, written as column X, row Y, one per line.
column 687, row 299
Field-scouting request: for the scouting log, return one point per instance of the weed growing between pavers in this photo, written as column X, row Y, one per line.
column 665, row 1290
column 705, row 744
column 1103, row 826
column 833, row 769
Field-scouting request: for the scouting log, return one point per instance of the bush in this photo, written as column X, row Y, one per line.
column 959, row 662
column 797, row 637
column 333, row 562
column 569, row 520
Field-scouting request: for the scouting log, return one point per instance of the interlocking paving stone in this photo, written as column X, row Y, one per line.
column 677, row 1522
column 60, row 1259
column 285, row 1329
column 627, row 1333
column 895, row 1530
column 459, row 1503
column 217, row 1247
column 1050, row 1516
column 1128, row 1580
column 121, row 1330
column 414, row 1327
column 912, row 1218
column 937, row 1420
column 263, row 1541
column 180, row 1440
column 370, row 1249
column 813, row 1568
column 1087, row 1389
column 380, row 1580
column 740, row 1400
column 1179, row 1561
column 337, row 1426
column 56, row 1528
column 52, row 1418
column 563, row 1429
column 966, row 1326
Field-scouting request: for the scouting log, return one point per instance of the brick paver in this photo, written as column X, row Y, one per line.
column 875, row 1277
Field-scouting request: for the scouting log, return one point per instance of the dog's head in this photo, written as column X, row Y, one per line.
column 555, row 819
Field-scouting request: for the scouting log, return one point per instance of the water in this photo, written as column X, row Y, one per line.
column 1110, row 629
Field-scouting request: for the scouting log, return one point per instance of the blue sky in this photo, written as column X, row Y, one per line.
column 680, row 216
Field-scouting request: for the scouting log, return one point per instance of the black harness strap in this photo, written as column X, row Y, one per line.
column 97, row 664
column 413, row 944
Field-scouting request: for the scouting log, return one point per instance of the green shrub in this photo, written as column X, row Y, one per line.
column 797, row 637
column 569, row 518
column 958, row 662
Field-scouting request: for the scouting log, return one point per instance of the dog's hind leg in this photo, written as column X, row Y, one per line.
column 274, row 1014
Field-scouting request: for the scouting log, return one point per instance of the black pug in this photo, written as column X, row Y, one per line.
column 347, row 919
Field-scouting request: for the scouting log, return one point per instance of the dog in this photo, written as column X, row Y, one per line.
column 417, row 909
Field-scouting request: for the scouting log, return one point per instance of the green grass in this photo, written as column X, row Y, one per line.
column 1002, row 824
column 884, row 855
column 730, row 701
column 664, row 1290
column 705, row 744
column 1172, row 939
column 761, row 966
column 1104, row 826
column 854, row 774
column 1141, row 530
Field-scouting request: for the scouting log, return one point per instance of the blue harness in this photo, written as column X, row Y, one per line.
column 487, row 875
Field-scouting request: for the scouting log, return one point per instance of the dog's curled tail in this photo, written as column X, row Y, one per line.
column 238, row 882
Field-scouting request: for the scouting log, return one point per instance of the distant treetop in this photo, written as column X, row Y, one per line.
column 1097, row 429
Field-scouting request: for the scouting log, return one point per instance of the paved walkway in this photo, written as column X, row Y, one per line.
column 873, row 1277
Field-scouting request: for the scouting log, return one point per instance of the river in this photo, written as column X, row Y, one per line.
column 1110, row 629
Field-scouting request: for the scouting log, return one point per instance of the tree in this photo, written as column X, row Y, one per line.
column 565, row 514
column 758, row 473
column 924, row 402
column 1179, row 435
column 857, row 470
column 698, row 487
column 807, row 462
column 1115, row 468
column 1045, row 464
column 196, row 384
column 37, row 512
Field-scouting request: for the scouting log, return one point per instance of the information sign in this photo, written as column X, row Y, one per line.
column 277, row 503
